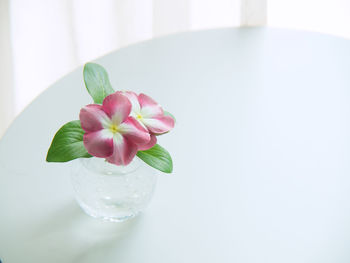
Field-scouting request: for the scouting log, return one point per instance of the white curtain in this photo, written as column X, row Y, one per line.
column 42, row 40
column 325, row 16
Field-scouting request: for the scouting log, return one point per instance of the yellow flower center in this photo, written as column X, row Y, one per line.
column 139, row 116
column 113, row 128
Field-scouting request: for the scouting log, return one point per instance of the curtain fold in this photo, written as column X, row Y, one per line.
column 42, row 40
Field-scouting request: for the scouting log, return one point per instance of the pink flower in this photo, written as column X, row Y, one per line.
column 110, row 132
column 150, row 115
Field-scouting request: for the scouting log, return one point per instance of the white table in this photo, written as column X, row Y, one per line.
column 261, row 153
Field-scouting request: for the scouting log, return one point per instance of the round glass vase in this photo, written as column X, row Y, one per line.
column 111, row 192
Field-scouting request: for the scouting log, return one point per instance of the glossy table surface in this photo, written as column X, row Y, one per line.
column 261, row 155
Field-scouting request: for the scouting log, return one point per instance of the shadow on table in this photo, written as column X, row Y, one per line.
column 71, row 234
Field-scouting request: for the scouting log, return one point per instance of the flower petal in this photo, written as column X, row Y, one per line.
column 149, row 108
column 133, row 130
column 99, row 143
column 117, row 107
column 93, row 118
column 159, row 125
column 150, row 144
column 132, row 96
column 123, row 150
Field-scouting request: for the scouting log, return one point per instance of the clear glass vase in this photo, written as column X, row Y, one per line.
column 111, row 192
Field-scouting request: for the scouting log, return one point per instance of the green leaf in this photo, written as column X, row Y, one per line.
column 158, row 158
column 167, row 113
column 97, row 82
column 67, row 144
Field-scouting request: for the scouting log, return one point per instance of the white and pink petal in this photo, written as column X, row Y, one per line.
column 117, row 107
column 132, row 96
column 99, row 143
column 159, row 125
column 149, row 107
column 134, row 131
column 124, row 150
column 148, row 145
column 93, row 118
